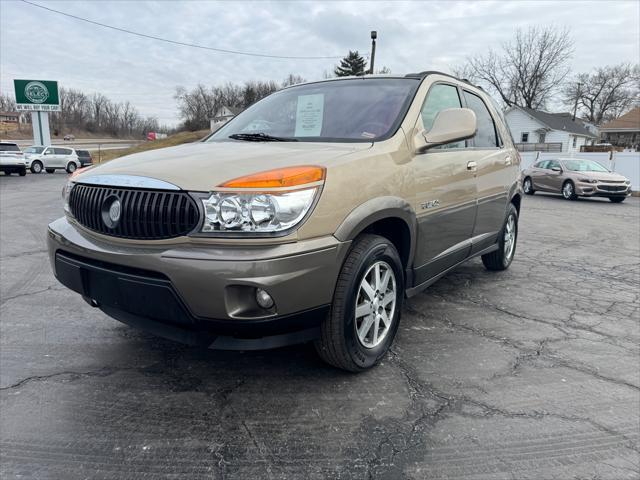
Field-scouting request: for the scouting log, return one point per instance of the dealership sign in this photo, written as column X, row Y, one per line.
column 37, row 95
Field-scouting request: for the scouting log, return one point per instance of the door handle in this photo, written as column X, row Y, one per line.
column 507, row 160
column 473, row 166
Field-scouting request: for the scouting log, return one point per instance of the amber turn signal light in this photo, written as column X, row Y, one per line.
column 78, row 171
column 280, row 177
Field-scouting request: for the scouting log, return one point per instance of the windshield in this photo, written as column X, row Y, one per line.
column 343, row 110
column 584, row 166
column 34, row 150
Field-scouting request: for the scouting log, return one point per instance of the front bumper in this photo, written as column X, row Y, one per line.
column 603, row 190
column 203, row 295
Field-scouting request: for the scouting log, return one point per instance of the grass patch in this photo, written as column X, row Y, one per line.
column 172, row 141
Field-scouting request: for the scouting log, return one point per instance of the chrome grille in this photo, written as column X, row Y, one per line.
column 144, row 214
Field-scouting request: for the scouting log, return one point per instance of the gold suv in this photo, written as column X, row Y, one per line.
column 308, row 217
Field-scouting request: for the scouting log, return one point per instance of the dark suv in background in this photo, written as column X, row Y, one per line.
column 84, row 156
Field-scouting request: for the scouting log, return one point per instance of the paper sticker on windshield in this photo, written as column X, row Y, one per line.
column 309, row 115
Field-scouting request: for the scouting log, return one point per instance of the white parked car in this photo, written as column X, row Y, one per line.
column 51, row 158
column 12, row 159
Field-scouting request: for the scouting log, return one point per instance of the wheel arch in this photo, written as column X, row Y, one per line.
column 515, row 195
column 391, row 217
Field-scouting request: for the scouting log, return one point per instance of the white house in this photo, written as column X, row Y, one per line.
column 535, row 130
column 222, row 116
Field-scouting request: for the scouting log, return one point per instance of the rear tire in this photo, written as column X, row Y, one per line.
column 36, row 167
column 71, row 167
column 501, row 258
column 357, row 339
column 617, row 199
column 527, row 186
column 50, row 170
column 569, row 190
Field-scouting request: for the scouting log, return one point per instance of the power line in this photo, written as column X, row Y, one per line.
column 175, row 42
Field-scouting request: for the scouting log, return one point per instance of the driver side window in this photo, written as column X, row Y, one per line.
column 440, row 97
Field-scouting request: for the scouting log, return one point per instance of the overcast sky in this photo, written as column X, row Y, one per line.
column 412, row 36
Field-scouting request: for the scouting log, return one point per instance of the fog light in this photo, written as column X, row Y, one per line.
column 264, row 299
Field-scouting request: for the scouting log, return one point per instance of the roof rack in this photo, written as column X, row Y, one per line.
column 426, row 73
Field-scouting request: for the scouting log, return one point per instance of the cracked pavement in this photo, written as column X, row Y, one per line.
column 530, row 373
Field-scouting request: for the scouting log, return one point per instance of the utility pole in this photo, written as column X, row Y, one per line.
column 575, row 105
column 374, row 35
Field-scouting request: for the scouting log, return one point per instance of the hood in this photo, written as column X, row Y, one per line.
column 601, row 176
column 201, row 166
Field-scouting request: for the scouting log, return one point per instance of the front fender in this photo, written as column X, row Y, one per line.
column 379, row 209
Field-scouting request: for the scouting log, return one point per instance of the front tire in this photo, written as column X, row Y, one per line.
column 365, row 313
column 501, row 258
column 527, row 186
column 569, row 190
column 36, row 167
column 617, row 199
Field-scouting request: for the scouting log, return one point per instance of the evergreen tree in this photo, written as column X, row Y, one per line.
column 352, row 64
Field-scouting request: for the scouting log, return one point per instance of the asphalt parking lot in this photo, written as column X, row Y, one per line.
column 530, row 373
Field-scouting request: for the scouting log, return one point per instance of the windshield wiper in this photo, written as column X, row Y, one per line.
column 260, row 137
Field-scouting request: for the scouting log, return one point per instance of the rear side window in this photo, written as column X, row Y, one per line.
column 486, row 135
column 62, row 151
column 9, row 147
column 83, row 153
column 440, row 97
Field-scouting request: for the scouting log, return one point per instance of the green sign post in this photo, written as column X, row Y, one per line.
column 37, row 95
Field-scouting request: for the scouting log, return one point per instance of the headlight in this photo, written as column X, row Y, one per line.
column 66, row 190
column 260, row 203
column 255, row 212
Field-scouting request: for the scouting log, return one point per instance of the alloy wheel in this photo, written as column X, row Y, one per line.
column 375, row 304
column 567, row 190
column 509, row 238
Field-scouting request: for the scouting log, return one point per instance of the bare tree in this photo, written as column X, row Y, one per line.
column 128, row 118
column 465, row 72
column 198, row 106
column 7, row 103
column 606, row 93
column 527, row 70
column 98, row 102
column 292, row 80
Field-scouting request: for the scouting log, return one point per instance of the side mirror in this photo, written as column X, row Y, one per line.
column 450, row 125
column 556, row 169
